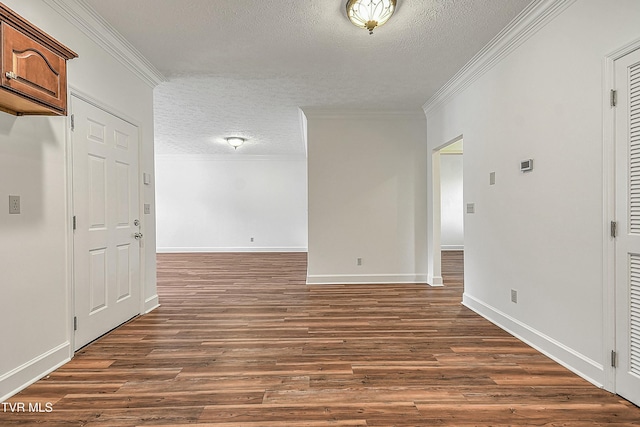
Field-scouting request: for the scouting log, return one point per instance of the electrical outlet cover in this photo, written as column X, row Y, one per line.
column 14, row 204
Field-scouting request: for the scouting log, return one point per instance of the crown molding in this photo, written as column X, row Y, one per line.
column 94, row 26
column 326, row 113
column 534, row 17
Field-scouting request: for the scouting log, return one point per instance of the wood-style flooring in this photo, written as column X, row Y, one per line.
column 240, row 340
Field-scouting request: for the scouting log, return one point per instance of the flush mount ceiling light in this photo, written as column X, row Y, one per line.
column 370, row 14
column 235, row 141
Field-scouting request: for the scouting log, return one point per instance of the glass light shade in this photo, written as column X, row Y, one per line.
column 370, row 14
column 235, row 142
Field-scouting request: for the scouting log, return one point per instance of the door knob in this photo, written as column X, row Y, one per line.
column 138, row 236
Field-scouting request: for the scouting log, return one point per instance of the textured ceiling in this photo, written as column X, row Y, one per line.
column 245, row 67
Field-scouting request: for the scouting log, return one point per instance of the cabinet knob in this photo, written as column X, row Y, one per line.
column 11, row 75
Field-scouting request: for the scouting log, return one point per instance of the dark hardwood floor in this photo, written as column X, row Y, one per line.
column 240, row 340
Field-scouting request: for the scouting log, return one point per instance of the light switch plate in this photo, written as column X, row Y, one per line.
column 471, row 208
column 147, row 208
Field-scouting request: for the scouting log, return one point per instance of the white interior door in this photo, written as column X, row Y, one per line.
column 106, row 208
column 627, row 128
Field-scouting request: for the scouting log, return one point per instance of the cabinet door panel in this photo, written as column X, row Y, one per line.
column 33, row 70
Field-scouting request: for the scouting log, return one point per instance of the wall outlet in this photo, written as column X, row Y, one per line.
column 358, row 261
column 14, row 204
column 252, row 240
column 514, row 296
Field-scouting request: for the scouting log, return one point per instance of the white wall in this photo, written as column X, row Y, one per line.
column 541, row 233
column 35, row 310
column 367, row 186
column 218, row 203
column 452, row 203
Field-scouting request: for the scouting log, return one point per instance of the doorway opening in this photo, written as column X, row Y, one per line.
column 448, row 204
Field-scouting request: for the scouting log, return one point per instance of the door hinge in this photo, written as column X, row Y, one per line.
column 75, row 323
column 614, row 359
column 614, row 98
column 73, row 123
column 614, row 229
column 74, row 222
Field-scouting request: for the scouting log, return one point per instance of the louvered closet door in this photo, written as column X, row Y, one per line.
column 627, row 75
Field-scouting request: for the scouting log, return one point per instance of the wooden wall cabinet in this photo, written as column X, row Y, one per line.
column 33, row 79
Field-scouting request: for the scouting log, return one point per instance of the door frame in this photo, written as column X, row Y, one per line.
column 83, row 96
column 435, row 259
column 609, row 212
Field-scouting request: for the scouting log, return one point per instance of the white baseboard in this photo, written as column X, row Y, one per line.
column 576, row 362
column 151, row 304
column 232, row 249
column 452, row 248
column 23, row 376
column 365, row 279
column 435, row 280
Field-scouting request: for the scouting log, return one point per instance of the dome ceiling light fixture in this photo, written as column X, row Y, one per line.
column 235, row 141
column 370, row 14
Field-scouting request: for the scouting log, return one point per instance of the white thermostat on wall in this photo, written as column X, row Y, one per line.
column 526, row 165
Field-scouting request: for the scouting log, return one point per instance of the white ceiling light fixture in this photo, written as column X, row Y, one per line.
column 235, row 141
column 370, row 14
